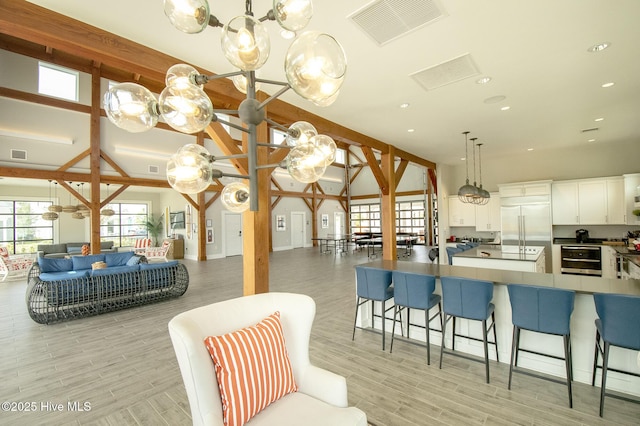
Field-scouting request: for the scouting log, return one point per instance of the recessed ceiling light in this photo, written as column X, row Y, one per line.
column 404, row 105
column 505, row 108
column 591, row 140
column 608, row 84
column 599, row 119
column 529, row 149
column 495, row 99
column 483, row 80
column 411, row 130
column 599, row 47
column 462, row 158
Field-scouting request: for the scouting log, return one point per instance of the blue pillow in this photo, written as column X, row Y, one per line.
column 114, row 270
column 84, row 262
column 118, row 259
column 54, row 264
column 159, row 265
column 134, row 260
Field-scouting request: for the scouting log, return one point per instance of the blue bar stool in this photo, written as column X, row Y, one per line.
column 451, row 251
column 543, row 310
column 617, row 325
column 415, row 291
column 469, row 299
column 374, row 285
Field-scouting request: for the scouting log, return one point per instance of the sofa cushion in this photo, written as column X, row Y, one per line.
column 52, row 248
column 55, row 265
column 253, row 369
column 150, row 266
column 84, row 262
column 63, row 275
column 106, row 245
column 118, row 259
column 114, row 270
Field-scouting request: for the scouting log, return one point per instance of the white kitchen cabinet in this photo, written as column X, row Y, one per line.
column 488, row 215
column 525, row 189
column 609, row 262
column 616, row 214
column 592, row 202
column 564, row 203
column 589, row 202
column 631, row 185
column 461, row 214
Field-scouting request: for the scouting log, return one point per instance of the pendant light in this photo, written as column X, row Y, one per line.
column 70, row 208
column 82, row 208
column 56, row 208
column 484, row 194
column 107, row 211
column 50, row 215
column 79, row 213
column 467, row 192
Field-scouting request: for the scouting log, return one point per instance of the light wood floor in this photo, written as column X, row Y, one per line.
column 124, row 366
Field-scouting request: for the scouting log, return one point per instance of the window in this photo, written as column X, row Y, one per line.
column 410, row 218
column 22, row 227
column 126, row 225
column 341, row 156
column 277, row 136
column 57, row 81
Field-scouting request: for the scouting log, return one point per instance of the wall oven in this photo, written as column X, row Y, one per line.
column 581, row 260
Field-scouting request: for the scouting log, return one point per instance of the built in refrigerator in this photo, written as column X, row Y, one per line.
column 526, row 222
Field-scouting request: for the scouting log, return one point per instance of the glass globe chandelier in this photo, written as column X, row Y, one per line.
column 315, row 67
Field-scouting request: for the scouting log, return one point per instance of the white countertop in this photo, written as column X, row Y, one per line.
column 529, row 254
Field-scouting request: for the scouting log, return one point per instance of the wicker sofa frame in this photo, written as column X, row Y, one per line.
column 62, row 300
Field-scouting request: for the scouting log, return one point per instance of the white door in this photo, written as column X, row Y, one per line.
column 232, row 223
column 338, row 223
column 297, row 229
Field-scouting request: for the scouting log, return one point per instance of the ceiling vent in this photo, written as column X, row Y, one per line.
column 19, row 154
column 593, row 129
column 154, row 170
column 446, row 73
column 386, row 20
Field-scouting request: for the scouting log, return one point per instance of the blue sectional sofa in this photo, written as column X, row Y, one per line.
column 64, row 289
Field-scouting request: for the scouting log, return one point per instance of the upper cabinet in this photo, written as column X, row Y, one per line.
column 461, row 214
column 632, row 197
column 488, row 215
column 589, row 202
column 525, row 189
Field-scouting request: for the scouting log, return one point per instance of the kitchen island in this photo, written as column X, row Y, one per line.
column 510, row 258
column 582, row 321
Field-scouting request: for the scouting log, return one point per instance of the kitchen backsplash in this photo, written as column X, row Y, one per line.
column 595, row 231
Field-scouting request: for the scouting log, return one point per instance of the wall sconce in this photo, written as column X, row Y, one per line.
column 315, row 67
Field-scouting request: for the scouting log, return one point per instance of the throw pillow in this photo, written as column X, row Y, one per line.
column 253, row 369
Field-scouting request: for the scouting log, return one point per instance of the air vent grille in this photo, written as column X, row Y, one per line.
column 386, row 20
column 154, row 169
column 593, row 129
column 19, row 154
column 446, row 73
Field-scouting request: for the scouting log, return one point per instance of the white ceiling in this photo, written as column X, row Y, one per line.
column 535, row 51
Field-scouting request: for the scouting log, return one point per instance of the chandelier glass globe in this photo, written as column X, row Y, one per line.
column 189, row 16
column 305, row 163
column 189, row 169
column 327, row 147
column 293, row 15
column 131, row 107
column 300, row 133
column 235, row 197
column 187, row 110
column 181, row 76
column 315, row 66
column 245, row 43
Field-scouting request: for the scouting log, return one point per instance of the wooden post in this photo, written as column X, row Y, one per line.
column 389, row 250
column 94, row 159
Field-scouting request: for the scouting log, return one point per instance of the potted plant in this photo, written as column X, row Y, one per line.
column 154, row 227
column 636, row 212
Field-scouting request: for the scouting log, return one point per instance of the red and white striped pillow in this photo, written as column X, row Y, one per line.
column 253, row 369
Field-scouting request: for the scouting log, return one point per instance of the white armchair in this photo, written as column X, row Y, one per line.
column 322, row 395
column 13, row 265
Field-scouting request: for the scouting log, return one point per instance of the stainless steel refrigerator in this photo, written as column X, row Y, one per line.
column 526, row 221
